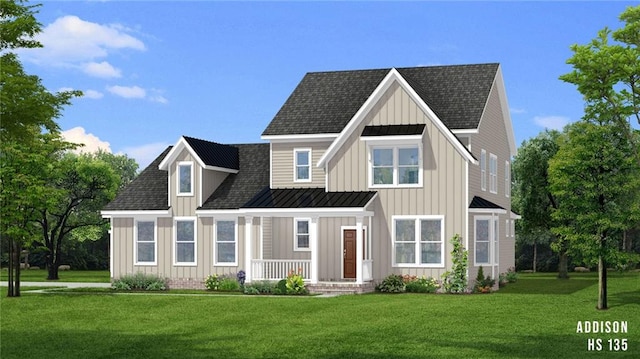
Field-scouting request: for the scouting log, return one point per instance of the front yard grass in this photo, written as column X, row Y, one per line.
column 533, row 318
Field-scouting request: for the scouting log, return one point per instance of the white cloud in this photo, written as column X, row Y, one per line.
column 127, row 91
column 91, row 142
column 93, row 94
column 551, row 122
column 101, row 69
column 145, row 154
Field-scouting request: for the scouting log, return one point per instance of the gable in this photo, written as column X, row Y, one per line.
column 209, row 155
column 325, row 102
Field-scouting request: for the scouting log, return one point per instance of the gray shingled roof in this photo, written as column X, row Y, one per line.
column 393, row 130
column 238, row 188
column 148, row 191
column 215, row 154
column 479, row 202
column 308, row 198
column 324, row 102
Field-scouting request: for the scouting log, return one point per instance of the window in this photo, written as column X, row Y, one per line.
column 185, row 179
column 302, row 171
column 486, row 240
column 301, row 230
column 185, row 241
column 493, row 173
column 395, row 166
column 507, row 227
column 225, row 247
column 418, row 241
column 507, row 178
column 483, row 170
column 145, row 238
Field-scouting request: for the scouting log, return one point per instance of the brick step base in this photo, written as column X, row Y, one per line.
column 341, row 288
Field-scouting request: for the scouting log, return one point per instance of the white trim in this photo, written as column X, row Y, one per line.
column 296, row 247
column 111, row 251
column 466, row 213
column 465, row 131
column 392, row 139
column 368, row 244
column 475, row 240
column 307, row 212
column 315, row 250
column 418, row 252
column 137, row 214
column 270, row 165
column 309, row 152
column 507, row 179
column 235, row 241
column 488, row 210
column 230, row 213
column 192, row 179
column 313, row 137
column 175, row 241
column 135, row 242
column 502, row 93
column 200, row 178
column 515, row 215
column 483, row 169
column 390, row 78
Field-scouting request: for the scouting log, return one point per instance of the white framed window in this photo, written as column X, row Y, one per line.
column 145, row 248
column 486, row 240
column 507, row 178
column 483, row 170
column 226, row 243
column 184, row 178
column 507, row 227
column 184, row 241
column 513, row 228
column 302, row 165
column 395, row 166
column 418, row 241
column 493, row 173
column 301, row 234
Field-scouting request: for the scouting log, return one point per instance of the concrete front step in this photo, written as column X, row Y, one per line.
column 341, row 288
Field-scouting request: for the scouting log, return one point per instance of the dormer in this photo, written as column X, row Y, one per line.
column 195, row 168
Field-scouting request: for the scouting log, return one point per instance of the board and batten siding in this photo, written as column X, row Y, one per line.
column 444, row 181
column 283, row 165
column 183, row 205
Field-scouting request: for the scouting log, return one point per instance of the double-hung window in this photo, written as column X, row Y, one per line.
column 302, row 165
column 145, row 243
column 301, row 230
column 507, row 178
column 483, row 170
column 185, row 241
column 395, row 166
column 486, row 240
column 493, row 173
column 226, row 249
column 185, row 179
column 418, row 241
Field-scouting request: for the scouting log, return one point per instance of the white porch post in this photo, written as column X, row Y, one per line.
column 359, row 250
column 248, row 241
column 315, row 249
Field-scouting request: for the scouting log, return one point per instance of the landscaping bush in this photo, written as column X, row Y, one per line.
column 455, row 281
column 295, row 283
column 281, row 287
column 483, row 284
column 140, row 281
column 225, row 283
column 212, row 282
column 393, row 283
column 422, row 285
column 263, row 287
column 512, row 275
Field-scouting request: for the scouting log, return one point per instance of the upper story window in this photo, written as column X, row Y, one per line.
column 493, row 173
column 399, row 166
column 483, row 170
column 507, row 179
column 185, row 179
column 302, row 165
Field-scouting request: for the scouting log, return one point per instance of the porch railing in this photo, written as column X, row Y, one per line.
column 276, row 269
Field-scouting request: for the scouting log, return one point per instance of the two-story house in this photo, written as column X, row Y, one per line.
column 364, row 173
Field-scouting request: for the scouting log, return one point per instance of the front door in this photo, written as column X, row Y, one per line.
column 349, row 252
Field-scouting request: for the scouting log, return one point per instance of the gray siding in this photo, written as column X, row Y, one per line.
column 282, row 164
column 183, row 205
column 210, row 181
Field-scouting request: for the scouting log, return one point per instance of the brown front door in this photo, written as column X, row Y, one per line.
column 349, row 252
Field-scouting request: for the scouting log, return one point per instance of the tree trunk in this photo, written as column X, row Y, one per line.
column 602, row 284
column 535, row 255
column 53, row 258
column 16, row 287
column 10, row 273
column 563, row 263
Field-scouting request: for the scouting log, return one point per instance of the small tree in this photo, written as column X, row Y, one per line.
column 455, row 281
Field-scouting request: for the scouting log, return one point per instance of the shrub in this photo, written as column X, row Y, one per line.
column 140, row 281
column 422, row 285
column 483, row 284
column 455, row 281
column 212, row 282
column 264, row 287
column 281, row 287
column 393, row 283
column 295, row 283
column 512, row 275
column 228, row 284
column 225, row 283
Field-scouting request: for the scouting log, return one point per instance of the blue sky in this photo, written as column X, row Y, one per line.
column 155, row 70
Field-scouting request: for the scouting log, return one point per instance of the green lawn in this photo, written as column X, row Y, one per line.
column 40, row 275
column 533, row 318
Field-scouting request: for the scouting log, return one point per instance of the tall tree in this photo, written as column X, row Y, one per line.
column 83, row 186
column 28, row 133
column 597, row 180
column 532, row 196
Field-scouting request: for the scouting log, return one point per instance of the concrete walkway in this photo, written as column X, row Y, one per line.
column 61, row 284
